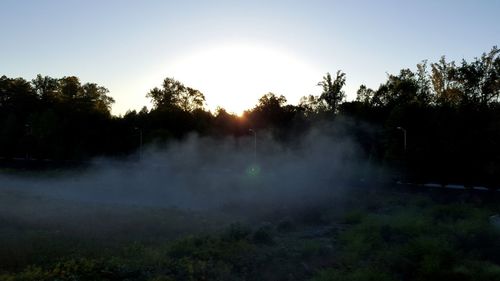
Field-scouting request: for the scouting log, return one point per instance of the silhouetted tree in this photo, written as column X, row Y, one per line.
column 70, row 87
column 451, row 114
column 364, row 95
column 45, row 87
column 225, row 123
column 424, row 93
column 313, row 105
column 268, row 112
column 480, row 79
column 444, row 83
column 95, row 98
column 174, row 94
column 333, row 94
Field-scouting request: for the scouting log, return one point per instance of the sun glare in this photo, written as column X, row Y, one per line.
column 234, row 76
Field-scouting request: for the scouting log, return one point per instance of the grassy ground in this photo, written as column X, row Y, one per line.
column 426, row 236
column 375, row 234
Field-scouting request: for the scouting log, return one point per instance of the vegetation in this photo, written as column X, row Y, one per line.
column 419, row 238
column 416, row 235
column 450, row 113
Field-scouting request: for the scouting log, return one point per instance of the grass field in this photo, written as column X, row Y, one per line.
column 362, row 234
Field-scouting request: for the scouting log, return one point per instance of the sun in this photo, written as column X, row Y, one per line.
column 235, row 75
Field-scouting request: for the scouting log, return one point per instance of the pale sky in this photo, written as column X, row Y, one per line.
column 236, row 51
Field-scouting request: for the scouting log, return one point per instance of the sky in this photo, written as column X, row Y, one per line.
column 236, row 51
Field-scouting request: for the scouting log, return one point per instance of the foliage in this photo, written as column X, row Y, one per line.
column 332, row 93
column 174, row 95
column 450, row 111
column 389, row 236
column 415, row 241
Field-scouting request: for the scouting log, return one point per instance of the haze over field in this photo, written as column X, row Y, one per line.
column 249, row 140
column 201, row 173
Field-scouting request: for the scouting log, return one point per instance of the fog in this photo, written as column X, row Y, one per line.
column 199, row 174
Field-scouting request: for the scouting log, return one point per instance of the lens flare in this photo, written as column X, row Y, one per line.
column 253, row 170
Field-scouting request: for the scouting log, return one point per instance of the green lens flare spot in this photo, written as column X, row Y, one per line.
column 253, row 170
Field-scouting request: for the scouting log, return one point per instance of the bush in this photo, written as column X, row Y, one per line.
column 418, row 242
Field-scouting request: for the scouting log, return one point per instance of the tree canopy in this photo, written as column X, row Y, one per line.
column 332, row 93
column 174, row 95
column 450, row 110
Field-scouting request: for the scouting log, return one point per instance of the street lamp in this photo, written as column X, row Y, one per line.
column 404, row 136
column 254, row 144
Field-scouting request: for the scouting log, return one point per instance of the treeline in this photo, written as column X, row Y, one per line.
column 450, row 113
column 53, row 118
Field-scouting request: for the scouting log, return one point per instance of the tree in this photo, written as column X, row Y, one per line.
column 271, row 102
column 45, row 87
column 96, row 97
column 174, row 95
column 269, row 111
column 480, row 79
column 443, row 80
column 406, row 88
column 332, row 93
column 403, row 88
column 225, row 123
column 364, row 94
column 424, row 95
column 190, row 100
column 69, row 87
column 17, row 95
column 312, row 105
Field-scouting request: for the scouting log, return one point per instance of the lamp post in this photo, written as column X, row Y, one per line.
column 404, row 137
column 254, row 144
